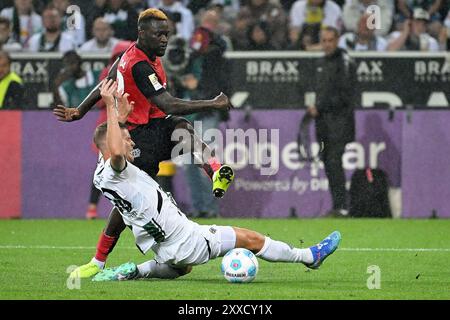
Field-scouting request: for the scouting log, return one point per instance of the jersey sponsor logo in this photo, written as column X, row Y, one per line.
column 154, row 81
column 213, row 230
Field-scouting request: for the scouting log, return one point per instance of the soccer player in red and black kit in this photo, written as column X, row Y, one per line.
column 140, row 73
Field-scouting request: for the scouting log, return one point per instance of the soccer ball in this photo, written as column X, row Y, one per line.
column 239, row 265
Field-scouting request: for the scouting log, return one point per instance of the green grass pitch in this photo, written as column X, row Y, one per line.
column 413, row 257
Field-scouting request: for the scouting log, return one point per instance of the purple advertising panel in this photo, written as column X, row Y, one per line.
column 426, row 164
column 58, row 162
column 298, row 188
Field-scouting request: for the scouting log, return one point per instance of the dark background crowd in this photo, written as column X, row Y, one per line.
column 205, row 29
column 45, row 25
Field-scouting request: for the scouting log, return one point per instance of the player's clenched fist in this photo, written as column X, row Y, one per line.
column 221, row 102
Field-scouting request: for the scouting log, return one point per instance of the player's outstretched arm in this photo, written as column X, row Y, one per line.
column 69, row 114
column 175, row 106
column 114, row 138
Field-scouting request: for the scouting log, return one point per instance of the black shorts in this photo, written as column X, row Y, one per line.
column 153, row 143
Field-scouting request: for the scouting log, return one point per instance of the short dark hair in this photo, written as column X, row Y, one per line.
column 100, row 132
column 72, row 54
column 331, row 29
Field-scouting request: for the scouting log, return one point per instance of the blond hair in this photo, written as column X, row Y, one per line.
column 100, row 133
column 152, row 13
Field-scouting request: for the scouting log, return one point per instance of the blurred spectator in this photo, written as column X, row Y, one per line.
column 227, row 12
column 232, row 5
column 119, row 14
column 40, row 5
column 7, row 43
column 25, row 21
column 447, row 19
column 194, row 5
column 137, row 5
column 354, row 9
column 11, row 87
column 103, row 40
column 182, row 74
column 334, row 84
column 209, row 75
column 240, row 27
column 287, row 4
column 311, row 15
column 52, row 39
column 229, row 8
column 178, row 63
column 73, row 84
column 85, row 6
column 414, row 35
column 259, row 37
column 209, row 47
column 445, row 8
column 97, row 10
column 407, row 7
column 73, row 21
column 444, row 36
column 364, row 39
column 309, row 38
column 275, row 18
column 180, row 14
column 6, row 4
column 220, row 24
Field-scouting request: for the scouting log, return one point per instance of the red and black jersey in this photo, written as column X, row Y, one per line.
column 141, row 78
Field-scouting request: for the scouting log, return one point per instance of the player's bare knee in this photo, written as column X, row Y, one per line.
column 256, row 241
column 250, row 240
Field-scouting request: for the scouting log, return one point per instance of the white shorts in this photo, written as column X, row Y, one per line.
column 198, row 245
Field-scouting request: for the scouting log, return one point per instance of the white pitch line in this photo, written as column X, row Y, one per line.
column 134, row 248
column 397, row 249
column 55, row 247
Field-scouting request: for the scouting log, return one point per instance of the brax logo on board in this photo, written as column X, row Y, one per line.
column 32, row 71
column 432, row 71
column 370, row 71
column 272, row 71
